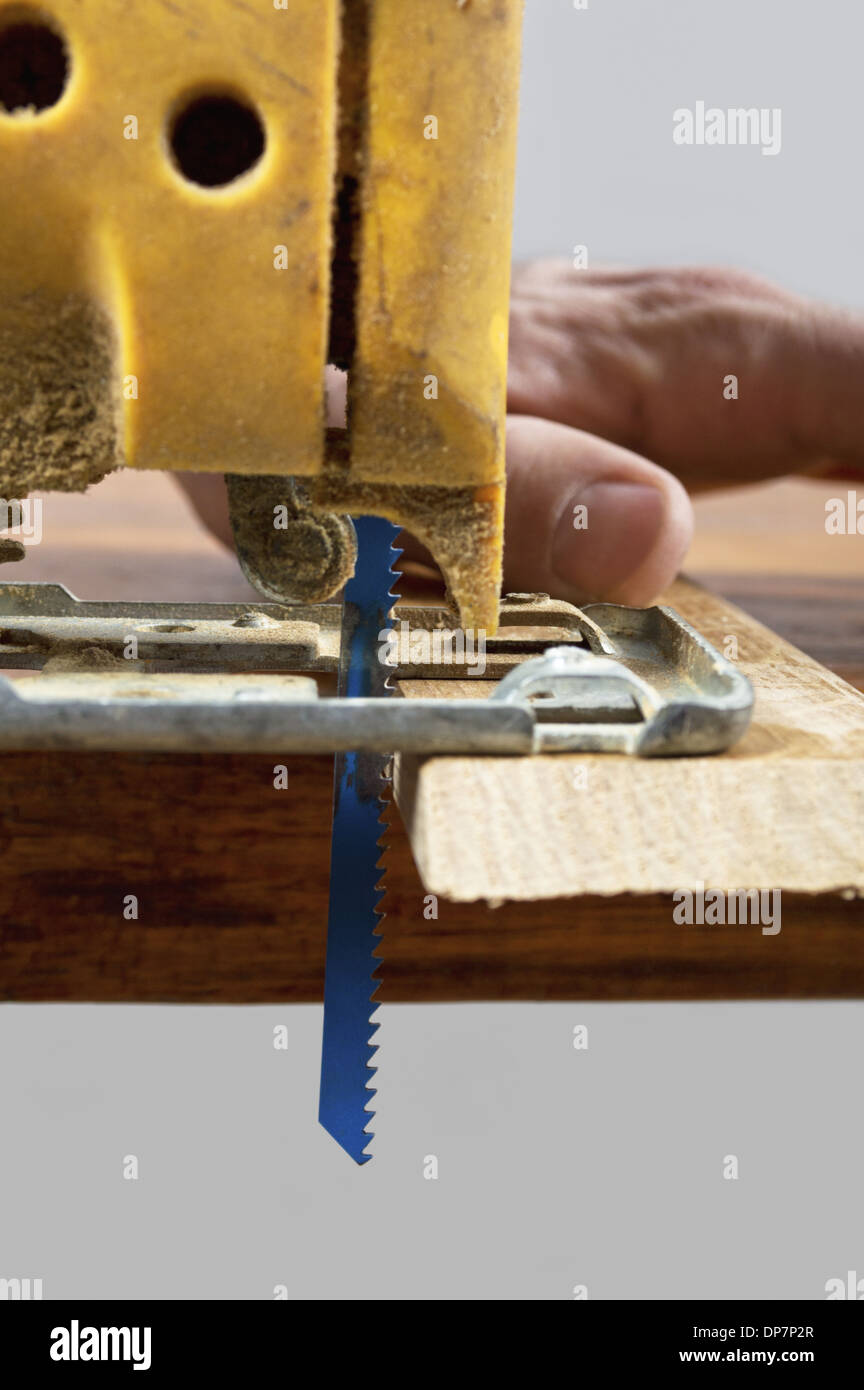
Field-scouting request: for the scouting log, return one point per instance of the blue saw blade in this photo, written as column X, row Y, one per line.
column 347, row 1048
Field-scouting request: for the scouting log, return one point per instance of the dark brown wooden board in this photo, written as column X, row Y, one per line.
column 231, row 880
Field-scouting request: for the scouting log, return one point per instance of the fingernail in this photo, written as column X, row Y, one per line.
column 608, row 528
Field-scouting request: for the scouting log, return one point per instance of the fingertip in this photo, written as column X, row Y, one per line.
column 588, row 520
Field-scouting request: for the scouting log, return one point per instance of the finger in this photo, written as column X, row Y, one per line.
column 208, row 496
column 587, row 519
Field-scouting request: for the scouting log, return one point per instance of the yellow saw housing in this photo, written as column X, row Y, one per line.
column 150, row 319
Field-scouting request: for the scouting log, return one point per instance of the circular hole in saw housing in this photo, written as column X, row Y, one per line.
column 34, row 61
column 215, row 138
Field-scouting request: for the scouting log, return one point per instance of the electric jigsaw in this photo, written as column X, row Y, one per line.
column 209, row 208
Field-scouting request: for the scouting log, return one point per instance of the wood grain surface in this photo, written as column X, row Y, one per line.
column 231, row 881
column 782, row 809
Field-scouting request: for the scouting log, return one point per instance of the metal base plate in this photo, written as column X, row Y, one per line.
column 222, row 677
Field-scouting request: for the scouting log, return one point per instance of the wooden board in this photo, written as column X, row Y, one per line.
column 231, row 881
column 783, row 809
column 823, row 616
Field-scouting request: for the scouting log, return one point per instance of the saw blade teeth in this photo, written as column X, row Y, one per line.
column 358, row 869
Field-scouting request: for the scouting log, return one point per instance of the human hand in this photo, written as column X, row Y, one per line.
column 627, row 387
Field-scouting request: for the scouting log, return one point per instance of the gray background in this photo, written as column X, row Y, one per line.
column 557, row 1167
column 598, row 165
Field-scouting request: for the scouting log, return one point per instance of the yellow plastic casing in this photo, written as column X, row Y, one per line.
column 206, row 307
column 427, row 388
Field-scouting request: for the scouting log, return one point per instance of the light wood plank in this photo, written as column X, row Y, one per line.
column 783, row 809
